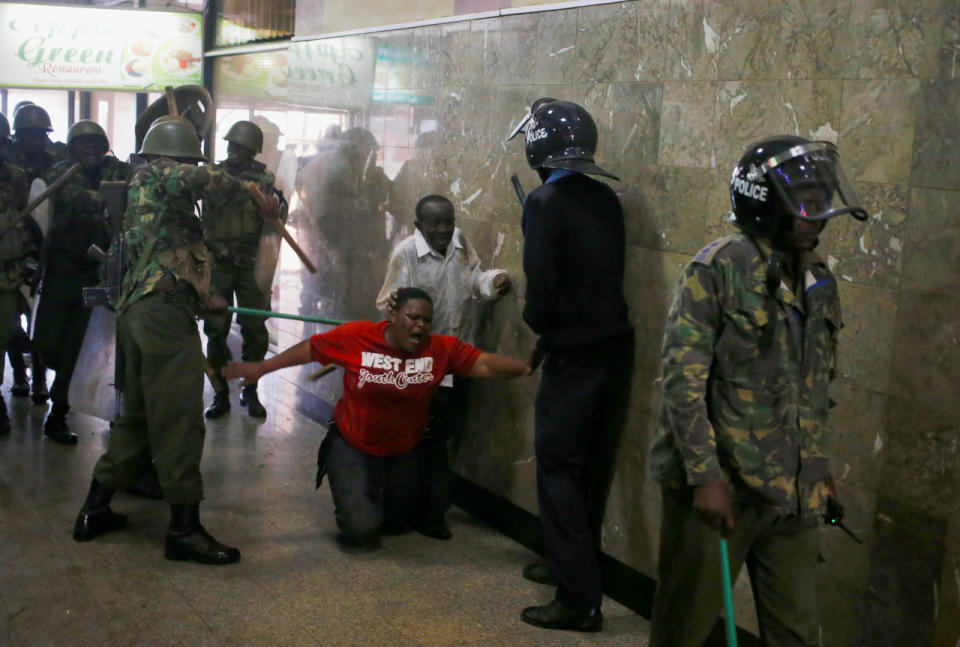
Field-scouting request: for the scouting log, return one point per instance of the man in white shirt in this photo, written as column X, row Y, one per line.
column 440, row 260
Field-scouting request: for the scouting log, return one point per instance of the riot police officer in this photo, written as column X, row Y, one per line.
column 166, row 285
column 17, row 247
column 233, row 230
column 573, row 257
column 77, row 222
column 742, row 445
column 33, row 152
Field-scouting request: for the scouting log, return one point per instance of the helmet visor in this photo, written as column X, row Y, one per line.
column 811, row 183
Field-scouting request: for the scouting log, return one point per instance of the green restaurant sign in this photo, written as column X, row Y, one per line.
column 65, row 47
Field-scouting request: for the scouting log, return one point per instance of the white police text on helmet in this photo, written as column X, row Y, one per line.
column 751, row 190
column 536, row 134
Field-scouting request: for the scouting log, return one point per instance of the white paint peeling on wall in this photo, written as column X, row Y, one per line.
column 877, row 445
column 832, row 261
column 685, row 67
column 825, row 132
column 710, row 38
column 793, row 115
column 500, row 238
column 560, row 51
column 455, row 187
column 473, row 196
column 736, row 99
column 863, row 245
column 626, row 142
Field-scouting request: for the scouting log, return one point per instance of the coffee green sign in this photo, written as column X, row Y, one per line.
column 66, row 47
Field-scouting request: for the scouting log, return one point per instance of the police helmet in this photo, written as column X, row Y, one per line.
column 246, row 134
column 172, row 137
column 560, row 135
column 87, row 127
column 31, row 116
column 786, row 177
column 4, row 127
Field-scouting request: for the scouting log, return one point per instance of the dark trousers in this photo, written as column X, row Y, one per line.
column 229, row 280
column 578, row 416
column 59, row 332
column 162, row 401
column 448, row 411
column 371, row 494
column 781, row 556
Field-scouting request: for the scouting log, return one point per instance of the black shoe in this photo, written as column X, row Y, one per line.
column 220, row 405
column 249, row 399
column 21, row 387
column 147, row 485
column 434, row 529
column 540, row 573
column 187, row 539
column 40, row 392
column 55, row 428
column 95, row 516
column 557, row 615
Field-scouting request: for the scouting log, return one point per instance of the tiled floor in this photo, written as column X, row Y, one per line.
column 293, row 585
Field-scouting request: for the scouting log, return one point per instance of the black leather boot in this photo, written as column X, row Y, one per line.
column 4, row 418
column 220, row 405
column 21, row 387
column 557, row 615
column 249, row 399
column 187, row 540
column 55, row 426
column 95, row 516
column 39, row 391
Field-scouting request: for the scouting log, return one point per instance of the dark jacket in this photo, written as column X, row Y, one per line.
column 573, row 257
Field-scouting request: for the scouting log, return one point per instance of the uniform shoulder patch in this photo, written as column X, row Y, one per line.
column 705, row 255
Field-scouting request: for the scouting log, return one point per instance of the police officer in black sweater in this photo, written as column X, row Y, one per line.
column 573, row 258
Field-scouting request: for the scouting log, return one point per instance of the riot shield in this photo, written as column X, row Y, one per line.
column 92, row 386
column 268, row 252
column 40, row 214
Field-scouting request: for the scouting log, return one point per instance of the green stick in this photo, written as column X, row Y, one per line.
column 728, row 595
column 281, row 315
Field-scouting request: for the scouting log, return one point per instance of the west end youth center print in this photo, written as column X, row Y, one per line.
column 395, row 371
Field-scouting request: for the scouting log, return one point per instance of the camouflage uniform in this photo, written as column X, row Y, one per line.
column 77, row 221
column 53, row 153
column 752, row 412
column 167, row 281
column 233, row 234
column 16, row 247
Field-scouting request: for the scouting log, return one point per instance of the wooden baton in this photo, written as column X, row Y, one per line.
column 267, row 207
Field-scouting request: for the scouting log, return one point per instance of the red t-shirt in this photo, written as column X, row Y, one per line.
column 386, row 391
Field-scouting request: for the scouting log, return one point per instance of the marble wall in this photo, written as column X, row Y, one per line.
column 678, row 88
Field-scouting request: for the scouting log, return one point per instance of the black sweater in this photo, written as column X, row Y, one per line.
column 573, row 257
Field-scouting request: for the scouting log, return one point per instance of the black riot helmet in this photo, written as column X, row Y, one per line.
column 560, row 135
column 31, row 116
column 4, row 127
column 786, row 177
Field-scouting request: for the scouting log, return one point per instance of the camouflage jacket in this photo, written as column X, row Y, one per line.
column 753, row 416
column 78, row 221
column 16, row 245
column 232, row 227
column 162, row 233
column 37, row 167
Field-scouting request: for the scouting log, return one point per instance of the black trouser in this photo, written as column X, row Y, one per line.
column 447, row 417
column 370, row 493
column 59, row 332
column 578, row 416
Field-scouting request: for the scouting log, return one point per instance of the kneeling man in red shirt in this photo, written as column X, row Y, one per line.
column 391, row 370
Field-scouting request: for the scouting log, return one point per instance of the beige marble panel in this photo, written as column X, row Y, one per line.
column 932, row 256
column 628, row 122
column 926, row 354
column 691, row 34
column 876, row 129
column 751, row 110
column 866, row 341
column 858, row 424
column 936, row 157
column 886, row 39
column 688, row 125
column 949, row 56
column 607, row 43
column 344, row 15
column 869, row 252
column 797, row 39
column 921, row 458
column 651, row 41
column 556, row 46
column 509, row 49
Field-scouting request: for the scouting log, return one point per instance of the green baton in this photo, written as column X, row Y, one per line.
column 281, row 315
column 727, row 595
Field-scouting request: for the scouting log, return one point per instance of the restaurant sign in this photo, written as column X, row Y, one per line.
column 66, row 47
